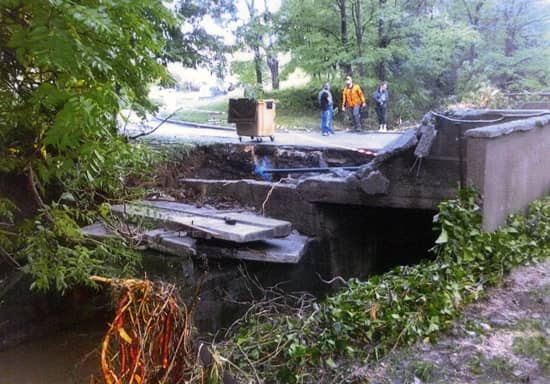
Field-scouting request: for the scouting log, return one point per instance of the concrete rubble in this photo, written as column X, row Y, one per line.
column 188, row 231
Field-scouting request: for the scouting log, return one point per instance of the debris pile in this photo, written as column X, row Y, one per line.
column 150, row 340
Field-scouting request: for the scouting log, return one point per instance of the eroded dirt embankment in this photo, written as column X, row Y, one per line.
column 504, row 338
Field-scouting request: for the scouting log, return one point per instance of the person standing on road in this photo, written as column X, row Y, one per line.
column 352, row 100
column 327, row 106
column 381, row 98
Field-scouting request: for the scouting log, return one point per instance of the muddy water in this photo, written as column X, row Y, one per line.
column 68, row 357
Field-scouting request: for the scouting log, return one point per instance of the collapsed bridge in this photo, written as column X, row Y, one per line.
column 504, row 154
column 368, row 211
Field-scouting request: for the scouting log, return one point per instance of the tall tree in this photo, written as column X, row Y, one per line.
column 252, row 33
column 66, row 70
column 382, row 42
column 511, row 48
column 190, row 42
column 312, row 31
column 343, row 10
column 359, row 27
column 270, row 38
column 473, row 11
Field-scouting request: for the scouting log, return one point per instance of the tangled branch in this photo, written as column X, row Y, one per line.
column 150, row 340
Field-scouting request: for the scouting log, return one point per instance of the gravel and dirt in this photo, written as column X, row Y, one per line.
column 503, row 338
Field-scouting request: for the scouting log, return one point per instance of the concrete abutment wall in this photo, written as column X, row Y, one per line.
column 509, row 164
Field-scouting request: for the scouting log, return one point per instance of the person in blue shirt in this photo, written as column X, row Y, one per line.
column 381, row 99
column 327, row 108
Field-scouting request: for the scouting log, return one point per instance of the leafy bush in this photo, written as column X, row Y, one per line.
column 295, row 100
column 67, row 70
column 59, row 256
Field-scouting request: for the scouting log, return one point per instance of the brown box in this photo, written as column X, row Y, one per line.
column 253, row 123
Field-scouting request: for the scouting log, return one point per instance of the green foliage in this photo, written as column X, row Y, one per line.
column 536, row 347
column 190, row 43
column 400, row 307
column 427, row 51
column 108, row 176
column 66, row 70
column 296, row 99
column 7, row 224
column 59, row 256
column 424, row 370
column 246, row 72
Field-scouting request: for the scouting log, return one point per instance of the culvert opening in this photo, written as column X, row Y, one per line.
column 363, row 241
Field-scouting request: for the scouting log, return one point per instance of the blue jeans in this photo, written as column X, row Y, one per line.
column 326, row 121
column 355, row 112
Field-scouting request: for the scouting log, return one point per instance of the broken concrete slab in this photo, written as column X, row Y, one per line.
column 219, row 228
column 277, row 200
column 288, row 250
column 280, row 228
column 407, row 140
column 172, row 242
column 428, row 134
column 209, row 223
column 403, row 143
column 436, row 183
column 178, row 243
column 192, row 210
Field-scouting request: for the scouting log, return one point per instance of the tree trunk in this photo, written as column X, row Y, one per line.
column 271, row 56
column 344, row 66
column 474, row 16
column 382, row 42
column 356, row 14
column 255, row 47
column 258, row 65
column 273, row 64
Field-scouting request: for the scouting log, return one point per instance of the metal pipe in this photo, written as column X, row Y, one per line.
column 304, row 170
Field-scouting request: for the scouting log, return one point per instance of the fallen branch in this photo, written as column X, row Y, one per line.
column 158, row 126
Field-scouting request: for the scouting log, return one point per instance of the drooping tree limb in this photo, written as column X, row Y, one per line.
column 158, row 126
column 36, row 194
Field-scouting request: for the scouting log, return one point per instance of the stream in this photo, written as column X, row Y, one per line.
column 67, row 357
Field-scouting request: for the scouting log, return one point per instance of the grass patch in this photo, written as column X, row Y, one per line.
column 500, row 366
column 536, row 347
column 526, row 325
column 207, row 112
column 424, row 370
column 306, row 121
column 480, row 365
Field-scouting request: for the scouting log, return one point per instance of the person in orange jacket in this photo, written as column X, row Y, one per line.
column 352, row 100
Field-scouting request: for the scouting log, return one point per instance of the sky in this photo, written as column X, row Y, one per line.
column 242, row 15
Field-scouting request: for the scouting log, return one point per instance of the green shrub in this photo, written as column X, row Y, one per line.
column 295, row 100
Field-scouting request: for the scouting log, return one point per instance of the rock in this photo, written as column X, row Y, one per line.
column 486, row 327
column 375, row 184
column 498, row 322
